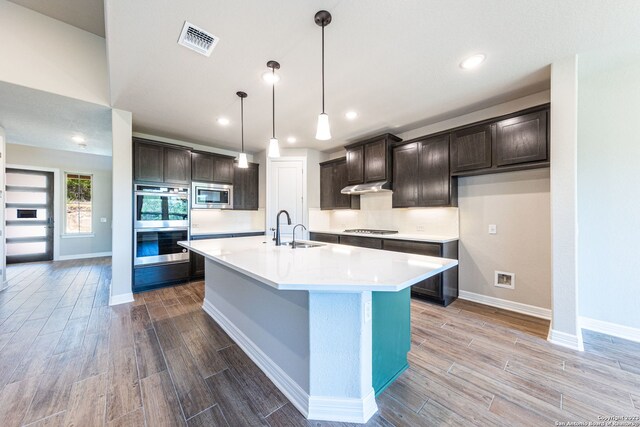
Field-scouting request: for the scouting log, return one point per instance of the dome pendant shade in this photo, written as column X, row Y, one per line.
column 323, row 132
column 242, row 161
column 274, row 148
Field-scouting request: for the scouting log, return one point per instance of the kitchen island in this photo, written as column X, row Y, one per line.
column 329, row 325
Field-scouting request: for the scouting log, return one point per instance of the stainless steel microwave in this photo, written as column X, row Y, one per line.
column 211, row 196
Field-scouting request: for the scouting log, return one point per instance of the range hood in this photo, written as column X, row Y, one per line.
column 371, row 187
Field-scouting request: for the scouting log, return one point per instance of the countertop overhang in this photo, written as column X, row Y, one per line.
column 329, row 268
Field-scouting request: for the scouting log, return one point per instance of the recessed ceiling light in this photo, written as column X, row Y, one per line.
column 291, row 140
column 351, row 115
column 473, row 61
column 78, row 139
column 223, row 121
column 270, row 77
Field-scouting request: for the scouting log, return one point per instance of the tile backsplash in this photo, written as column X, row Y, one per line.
column 205, row 221
column 376, row 212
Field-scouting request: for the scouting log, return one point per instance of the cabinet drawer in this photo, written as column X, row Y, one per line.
column 152, row 276
column 419, row 248
column 323, row 237
column 362, row 242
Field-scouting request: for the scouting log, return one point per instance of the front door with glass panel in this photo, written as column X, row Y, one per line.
column 29, row 215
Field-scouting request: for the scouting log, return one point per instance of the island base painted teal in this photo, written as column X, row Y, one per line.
column 391, row 340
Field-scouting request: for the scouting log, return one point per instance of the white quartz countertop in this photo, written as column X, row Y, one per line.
column 331, row 268
column 430, row 238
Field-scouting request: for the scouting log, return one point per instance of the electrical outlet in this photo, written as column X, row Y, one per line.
column 420, row 228
column 103, row 219
column 493, row 229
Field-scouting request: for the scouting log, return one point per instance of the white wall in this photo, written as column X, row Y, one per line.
column 47, row 54
column 68, row 161
column 608, row 194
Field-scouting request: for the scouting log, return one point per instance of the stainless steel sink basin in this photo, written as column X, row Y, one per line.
column 304, row 245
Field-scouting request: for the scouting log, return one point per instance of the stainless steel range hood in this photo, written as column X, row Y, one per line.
column 371, row 187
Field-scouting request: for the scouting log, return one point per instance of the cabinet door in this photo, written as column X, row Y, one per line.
column 363, row 242
column 245, row 187
column 197, row 265
column 177, row 166
column 341, row 201
column 471, row 148
column 223, row 170
column 355, row 165
column 327, row 198
column 375, row 161
column 522, row 139
column 435, row 180
column 201, row 167
column 405, row 176
column 148, row 162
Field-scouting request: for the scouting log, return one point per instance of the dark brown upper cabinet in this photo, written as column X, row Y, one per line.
column 333, row 178
column 177, row 166
column 405, row 175
column 471, row 148
column 208, row 167
column 202, row 167
column 148, row 162
column 436, row 187
column 245, row 187
column 355, row 165
column 160, row 163
column 522, row 139
column 421, row 174
column 370, row 160
column 223, row 169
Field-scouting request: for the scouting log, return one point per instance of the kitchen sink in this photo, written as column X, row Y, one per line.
column 304, row 245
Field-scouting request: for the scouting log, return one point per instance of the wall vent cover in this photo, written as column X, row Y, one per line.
column 197, row 39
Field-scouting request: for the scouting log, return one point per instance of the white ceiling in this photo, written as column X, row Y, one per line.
column 43, row 119
column 395, row 63
column 87, row 15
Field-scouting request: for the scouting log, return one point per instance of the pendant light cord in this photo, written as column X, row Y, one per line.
column 242, row 122
column 323, row 69
column 273, row 101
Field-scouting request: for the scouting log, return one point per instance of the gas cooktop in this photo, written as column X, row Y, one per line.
column 369, row 231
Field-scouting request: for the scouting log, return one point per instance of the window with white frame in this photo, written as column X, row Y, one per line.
column 78, row 203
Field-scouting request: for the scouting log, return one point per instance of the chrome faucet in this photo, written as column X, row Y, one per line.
column 278, row 242
column 293, row 243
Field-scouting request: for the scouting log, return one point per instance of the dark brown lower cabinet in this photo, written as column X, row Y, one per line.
column 156, row 276
column 323, row 237
column 441, row 289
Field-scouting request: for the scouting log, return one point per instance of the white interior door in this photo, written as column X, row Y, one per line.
column 286, row 191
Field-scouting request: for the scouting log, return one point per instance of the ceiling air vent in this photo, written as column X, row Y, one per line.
column 197, row 39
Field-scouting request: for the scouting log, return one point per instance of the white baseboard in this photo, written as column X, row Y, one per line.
column 614, row 329
column 121, row 298
column 83, row 256
column 312, row 407
column 518, row 307
column 343, row 409
column 564, row 339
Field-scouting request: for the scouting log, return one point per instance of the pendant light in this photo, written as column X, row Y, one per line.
column 323, row 133
column 274, row 147
column 242, row 157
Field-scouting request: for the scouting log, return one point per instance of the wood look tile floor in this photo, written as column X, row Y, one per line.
column 67, row 358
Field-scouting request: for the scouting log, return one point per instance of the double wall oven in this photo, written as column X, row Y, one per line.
column 161, row 221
